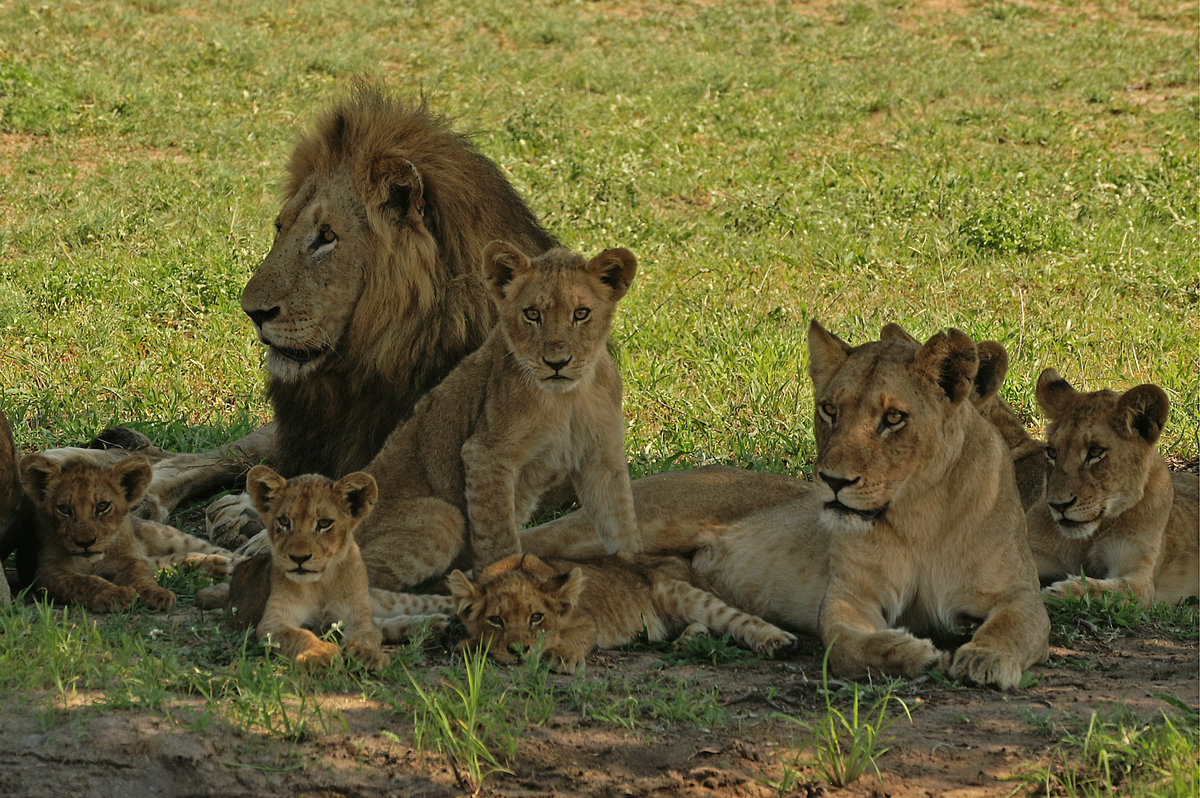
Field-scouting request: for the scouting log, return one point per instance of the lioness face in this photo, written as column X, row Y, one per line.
column 510, row 611
column 1100, row 447
column 882, row 412
column 556, row 311
column 302, row 298
column 84, row 501
column 311, row 519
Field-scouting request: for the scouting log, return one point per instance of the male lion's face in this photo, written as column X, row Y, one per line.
column 84, row 500
column 883, row 418
column 303, row 297
column 517, row 605
column 310, row 520
column 556, row 311
column 1100, row 447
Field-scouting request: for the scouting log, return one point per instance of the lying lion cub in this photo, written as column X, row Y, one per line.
column 1112, row 510
column 915, row 522
column 575, row 606
column 89, row 549
column 316, row 571
column 539, row 401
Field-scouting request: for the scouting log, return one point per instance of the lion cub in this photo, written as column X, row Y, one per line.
column 89, row 549
column 576, row 606
column 1112, row 509
column 316, row 570
column 538, row 402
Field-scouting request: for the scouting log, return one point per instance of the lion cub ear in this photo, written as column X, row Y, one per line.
column 464, row 592
column 951, row 361
column 993, row 368
column 826, row 354
column 134, row 475
column 1144, row 410
column 263, row 484
column 501, row 263
column 36, row 472
column 615, row 268
column 1054, row 394
column 359, row 492
column 565, row 588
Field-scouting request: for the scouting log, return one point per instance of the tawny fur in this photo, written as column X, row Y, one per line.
column 13, row 505
column 90, row 549
column 317, row 574
column 1112, row 510
column 915, row 522
column 568, row 608
column 539, row 400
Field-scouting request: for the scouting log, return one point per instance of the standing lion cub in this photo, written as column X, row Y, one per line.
column 538, row 402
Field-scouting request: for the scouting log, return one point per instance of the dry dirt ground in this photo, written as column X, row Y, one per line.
column 962, row 741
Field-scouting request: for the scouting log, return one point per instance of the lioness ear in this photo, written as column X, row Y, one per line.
column 397, row 189
column 615, row 268
column 501, row 263
column 36, row 473
column 1053, row 393
column 263, row 484
column 950, row 360
column 1144, row 410
column 993, row 367
column 134, row 474
column 826, row 354
column 464, row 592
column 565, row 588
column 894, row 332
column 359, row 491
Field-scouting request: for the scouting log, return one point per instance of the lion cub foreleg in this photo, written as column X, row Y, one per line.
column 491, row 484
column 602, row 484
column 684, row 604
column 400, row 616
column 411, row 540
column 281, row 626
column 93, row 592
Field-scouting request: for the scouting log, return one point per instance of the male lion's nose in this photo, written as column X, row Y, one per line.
column 557, row 365
column 837, row 483
column 261, row 317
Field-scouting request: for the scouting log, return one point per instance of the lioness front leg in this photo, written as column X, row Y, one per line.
column 859, row 641
column 1014, row 636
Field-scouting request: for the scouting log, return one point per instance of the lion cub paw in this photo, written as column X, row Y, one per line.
column 157, row 598
column 117, row 597
column 371, row 657
column 775, row 643
column 986, row 667
column 1066, row 588
column 319, row 654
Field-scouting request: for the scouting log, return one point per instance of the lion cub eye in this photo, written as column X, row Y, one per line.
column 496, row 621
column 324, row 523
column 102, row 508
column 1051, row 455
column 283, row 523
column 65, row 510
column 1095, row 454
column 581, row 314
column 536, row 618
column 533, row 314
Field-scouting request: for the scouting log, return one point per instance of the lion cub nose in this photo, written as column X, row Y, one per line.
column 300, row 559
column 557, row 365
column 1062, row 507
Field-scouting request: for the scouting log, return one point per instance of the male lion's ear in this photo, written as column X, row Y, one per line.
column 263, row 484
column 501, row 263
column 565, row 588
column 1053, row 393
column 615, row 268
column 359, row 492
column 464, row 592
column 826, row 354
column 36, row 473
column 397, row 189
column 950, row 360
column 1144, row 410
column 993, row 367
column 134, row 475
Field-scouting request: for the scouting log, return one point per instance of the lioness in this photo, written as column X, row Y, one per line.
column 915, row 522
column 539, row 400
column 1112, row 510
column 90, row 549
column 572, row 607
column 316, row 571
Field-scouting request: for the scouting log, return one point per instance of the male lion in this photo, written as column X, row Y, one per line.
column 372, row 291
column 915, row 521
column 1112, row 510
column 90, row 549
column 572, row 607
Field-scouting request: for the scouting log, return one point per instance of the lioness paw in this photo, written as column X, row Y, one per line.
column 231, row 520
column 986, row 667
column 1065, row 588
column 372, row 658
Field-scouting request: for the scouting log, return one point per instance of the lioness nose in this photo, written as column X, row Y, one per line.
column 261, row 317
column 836, row 483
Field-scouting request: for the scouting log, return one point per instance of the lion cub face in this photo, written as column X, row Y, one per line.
column 310, row 520
column 1100, row 447
column 556, row 310
column 82, row 500
column 884, row 416
column 516, row 603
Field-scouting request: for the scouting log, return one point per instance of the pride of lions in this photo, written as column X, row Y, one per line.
column 438, row 369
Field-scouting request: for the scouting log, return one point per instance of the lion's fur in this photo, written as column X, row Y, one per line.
column 917, row 509
column 316, row 572
column 13, row 505
column 565, row 608
column 399, row 297
column 539, row 400
column 90, row 549
column 1111, row 509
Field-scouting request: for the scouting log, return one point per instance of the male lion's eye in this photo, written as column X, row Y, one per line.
column 65, row 510
column 496, row 621
column 325, row 236
column 1051, row 454
column 533, row 314
column 536, row 618
column 828, row 411
column 581, row 314
column 324, row 523
column 102, row 508
column 278, row 226
column 1095, row 454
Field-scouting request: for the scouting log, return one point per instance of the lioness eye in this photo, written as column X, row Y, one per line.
column 102, row 508
column 893, row 417
column 1051, row 454
column 581, row 314
column 327, row 235
column 533, row 314
column 496, row 621
column 65, row 510
column 324, row 523
column 535, row 619
column 1095, row 453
